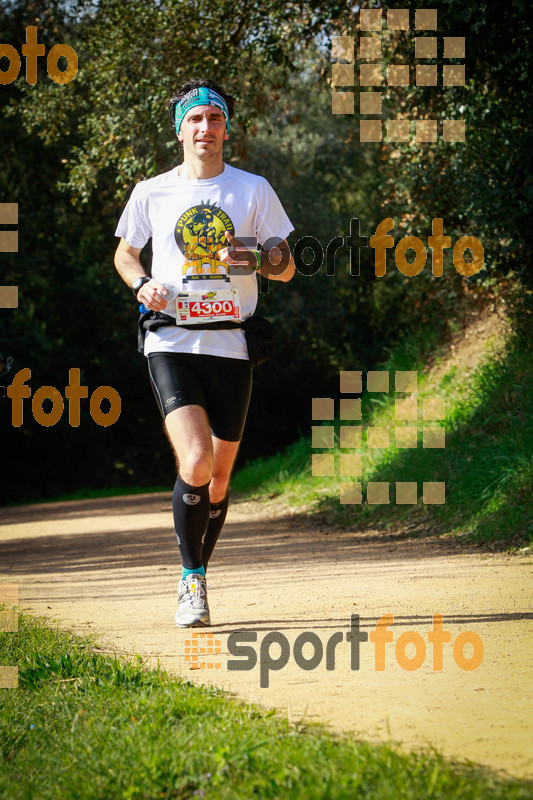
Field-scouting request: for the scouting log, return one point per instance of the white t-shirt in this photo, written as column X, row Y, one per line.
column 178, row 214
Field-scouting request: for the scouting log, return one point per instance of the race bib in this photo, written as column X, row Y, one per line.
column 195, row 308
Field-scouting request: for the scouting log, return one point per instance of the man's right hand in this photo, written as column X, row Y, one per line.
column 152, row 294
column 129, row 267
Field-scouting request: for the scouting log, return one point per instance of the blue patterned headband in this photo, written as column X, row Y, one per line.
column 200, row 97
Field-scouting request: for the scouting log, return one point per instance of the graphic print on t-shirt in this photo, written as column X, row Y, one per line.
column 199, row 234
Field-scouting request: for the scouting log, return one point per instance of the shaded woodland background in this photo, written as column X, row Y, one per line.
column 71, row 154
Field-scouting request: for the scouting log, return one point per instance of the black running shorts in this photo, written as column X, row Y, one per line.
column 222, row 386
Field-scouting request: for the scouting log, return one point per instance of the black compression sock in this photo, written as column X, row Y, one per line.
column 190, row 505
column 217, row 516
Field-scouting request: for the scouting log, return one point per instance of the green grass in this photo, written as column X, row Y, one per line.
column 87, row 725
column 487, row 463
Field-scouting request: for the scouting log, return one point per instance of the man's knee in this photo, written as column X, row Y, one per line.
column 196, row 467
column 224, row 460
column 218, row 488
column 188, row 431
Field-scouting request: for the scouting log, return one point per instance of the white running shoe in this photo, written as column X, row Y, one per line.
column 193, row 609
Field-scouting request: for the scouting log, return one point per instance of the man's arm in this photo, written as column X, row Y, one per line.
column 277, row 258
column 129, row 267
column 276, row 263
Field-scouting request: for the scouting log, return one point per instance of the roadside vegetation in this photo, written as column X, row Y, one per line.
column 86, row 724
column 486, row 464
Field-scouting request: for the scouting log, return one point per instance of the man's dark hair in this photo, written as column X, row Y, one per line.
column 197, row 83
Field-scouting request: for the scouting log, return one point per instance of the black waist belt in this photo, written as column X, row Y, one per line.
column 258, row 331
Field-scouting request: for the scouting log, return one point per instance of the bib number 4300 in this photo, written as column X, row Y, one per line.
column 205, row 308
column 216, row 305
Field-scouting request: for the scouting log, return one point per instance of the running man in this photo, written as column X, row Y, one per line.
column 200, row 355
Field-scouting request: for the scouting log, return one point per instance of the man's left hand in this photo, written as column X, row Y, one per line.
column 237, row 254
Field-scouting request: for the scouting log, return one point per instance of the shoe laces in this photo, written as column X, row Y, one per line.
column 193, row 590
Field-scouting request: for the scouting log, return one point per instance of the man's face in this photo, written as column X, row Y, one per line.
column 203, row 132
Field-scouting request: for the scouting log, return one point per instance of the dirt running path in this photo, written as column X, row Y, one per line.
column 110, row 566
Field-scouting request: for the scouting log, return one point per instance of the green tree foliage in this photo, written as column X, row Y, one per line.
column 132, row 55
column 72, row 153
column 483, row 187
